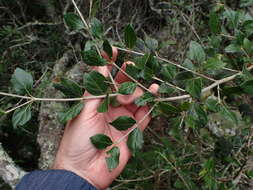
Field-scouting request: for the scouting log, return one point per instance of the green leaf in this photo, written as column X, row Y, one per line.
column 108, row 48
column 214, row 63
column 70, row 113
column 96, row 28
column 227, row 114
column 130, row 36
column 166, row 108
column 2, row 112
column 212, row 104
column 248, row 87
column 95, row 83
column 194, row 87
column 123, row 123
column 151, row 43
column 133, row 71
column 104, row 106
column 184, row 75
column 22, row 81
column 144, row 99
column 169, row 72
column 94, row 8
column 69, row 88
column 73, row 21
column 214, row 23
column 92, row 58
column 248, row 46
column 233, row 48
column 141, row 62
column 196, row 52
column 165, row 89
column 135, row 141
column 113, row 161
column 127, row 88
column 21, row 116
column 246, row 3
column 250, row 173
column 197, row 116
column 101, row 141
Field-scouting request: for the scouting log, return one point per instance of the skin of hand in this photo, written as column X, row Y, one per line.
column 77, row 154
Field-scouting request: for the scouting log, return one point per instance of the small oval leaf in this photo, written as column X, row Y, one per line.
column 123, row 123
column 101, row 141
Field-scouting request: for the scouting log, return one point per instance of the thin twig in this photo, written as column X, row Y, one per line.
column 86, row 24
column 170, row 62
column 169, row 84
column 137, row 82
column 56, row 99
column 19, row 106
column 217, row 83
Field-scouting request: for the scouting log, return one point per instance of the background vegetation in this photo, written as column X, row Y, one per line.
column 204, row 142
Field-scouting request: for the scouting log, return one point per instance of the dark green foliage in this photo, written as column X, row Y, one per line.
column 123, row 123
column 95, row 83
column 130, row 37
column 107, row 48
column 101, row 141
column 135, row 141
column 69, row 88
column 92, row 58
column 73, row 21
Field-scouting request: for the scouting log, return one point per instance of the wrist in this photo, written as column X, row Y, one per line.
column 83, row 175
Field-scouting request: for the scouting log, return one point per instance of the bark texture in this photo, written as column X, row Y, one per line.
column 9, row 172
column 50, row 130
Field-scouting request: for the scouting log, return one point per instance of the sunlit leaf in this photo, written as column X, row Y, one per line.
column 97, row 29
column 113, row 160
column 127, row 88
column 22, row 81
column 196, row 52
column 21, row 116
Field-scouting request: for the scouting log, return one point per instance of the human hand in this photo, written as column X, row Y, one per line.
column 77, row 154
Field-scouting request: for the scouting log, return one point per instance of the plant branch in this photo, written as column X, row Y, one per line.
column 56, row 99
column 215, row 84
column 169, row 84
column 19, row 106
column 137, row 82
column 170, row 62
column 86, row 25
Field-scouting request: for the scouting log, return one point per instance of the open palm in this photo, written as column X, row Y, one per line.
column 77, row 153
